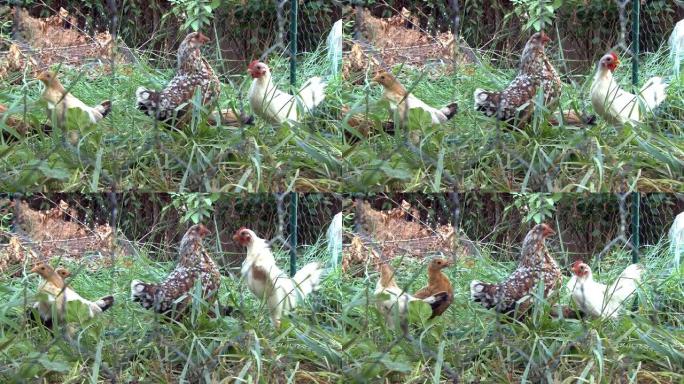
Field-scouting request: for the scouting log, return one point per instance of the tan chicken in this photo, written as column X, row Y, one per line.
column 516, row 103
column 536, row 266
column 620, row 107
column 59, row 100
column 437, row 282
column 173, row 296
column 268, row 282
column 402, row 101
column 58, row 294
column 393, row 302
column 193, row 73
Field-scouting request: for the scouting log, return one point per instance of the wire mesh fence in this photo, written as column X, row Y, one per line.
column 588, row 225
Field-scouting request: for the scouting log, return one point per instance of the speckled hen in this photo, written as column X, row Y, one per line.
column 195, row 266
column 536, row 265
column 192, row 72
column 516, row 103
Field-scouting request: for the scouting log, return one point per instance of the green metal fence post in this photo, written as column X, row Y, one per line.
column 293, row 232
column 635, row 239
column 293, row 42
column 635, row 42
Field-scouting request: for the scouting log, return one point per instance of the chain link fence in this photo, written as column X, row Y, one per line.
column 588, row 225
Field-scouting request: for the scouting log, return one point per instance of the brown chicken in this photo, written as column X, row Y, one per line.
column 195, row 266
column 393, row 302
column 59, row 100
column 437, row 282
column 536, row 265
column 516, row 103
column 192, row 72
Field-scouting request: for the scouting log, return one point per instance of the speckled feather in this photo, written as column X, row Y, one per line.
column 194, row 264
column 536, row 264
column 517, row 100
column 192, row 71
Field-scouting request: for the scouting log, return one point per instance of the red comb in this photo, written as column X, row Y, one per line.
column 614, row 55
column 252, row 65
column 577, row 263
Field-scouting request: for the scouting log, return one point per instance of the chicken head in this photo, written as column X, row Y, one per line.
column 610, row 61
column 440, row 263
column 196, row 39
column 580, row 269
column 243, row 236
column 257, row 69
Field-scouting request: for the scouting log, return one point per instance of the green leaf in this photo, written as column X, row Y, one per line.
column 53, row 365
column 53, row 173
column 419, row 312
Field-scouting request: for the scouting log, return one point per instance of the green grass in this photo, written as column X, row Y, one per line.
column 129, row 150
column 337, row 335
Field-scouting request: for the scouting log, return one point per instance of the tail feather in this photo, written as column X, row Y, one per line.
column 105, row 303
column 312, row 92
column 626, row 283
column 486, row 101
column 437, row 299
column 653, row 92
column 308, row 278
column 484, row 293
column 104, row 107
column 143, row 293
column 147, row 100
column 450, row 110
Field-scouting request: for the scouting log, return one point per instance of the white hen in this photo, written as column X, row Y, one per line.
column 597, row 299
column 618, row 106
column 677, row 240
column 677, row 47
column 276, row 106
column 268, row 282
